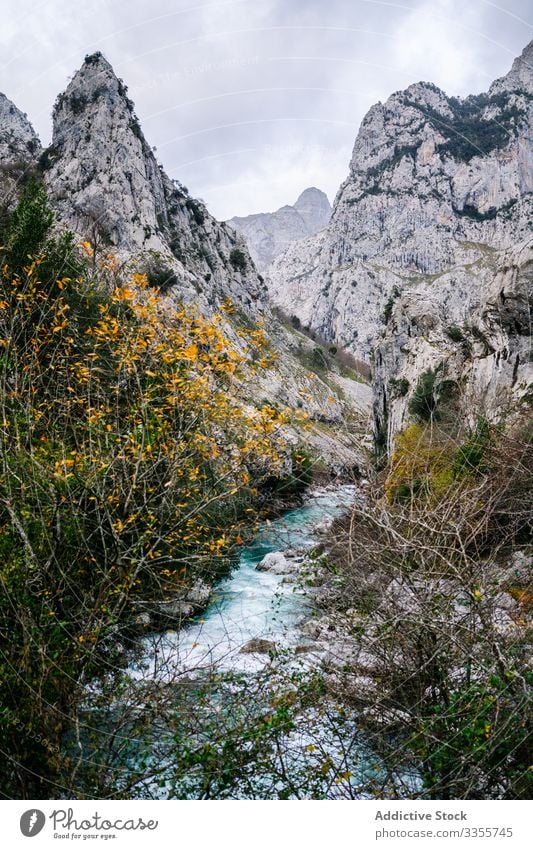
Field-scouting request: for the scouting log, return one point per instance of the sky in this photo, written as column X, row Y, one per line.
column 248, row 102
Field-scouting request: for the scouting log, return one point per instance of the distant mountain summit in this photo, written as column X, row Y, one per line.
column 315, row 209
column 268, row 233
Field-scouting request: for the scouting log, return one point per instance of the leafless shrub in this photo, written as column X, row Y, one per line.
column 438, row 594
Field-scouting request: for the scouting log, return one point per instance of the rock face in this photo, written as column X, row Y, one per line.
column 433, row 180
column 19, row 148
column 268, row 233
column 104, row 181
column 475, row 339
column 431, row 230
column 18, row 140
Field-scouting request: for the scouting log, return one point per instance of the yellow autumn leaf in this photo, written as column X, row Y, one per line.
column 191, row 353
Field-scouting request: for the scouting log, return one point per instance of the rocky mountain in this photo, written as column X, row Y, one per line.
column 104, row 180
column 19, row 147
column 105, row 184
column 18, row 140
column 427, row 255
column 267, row 234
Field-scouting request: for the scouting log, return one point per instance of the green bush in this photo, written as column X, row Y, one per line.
column 28, row 236
column 473, row 212
column 387, row 310
column 78, row 102
column 400, row 386
column 196, row 210
column 161, row 277
column 468, row 133
column 238, row 259
column 29, row 226
column 472, row 455
column 455, row 333
column 47, row 158
column 319, row 358
column 425, row 398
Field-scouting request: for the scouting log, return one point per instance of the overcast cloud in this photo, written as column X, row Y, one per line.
column 250, row 101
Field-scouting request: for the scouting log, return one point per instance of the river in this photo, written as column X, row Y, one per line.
column 253, row 725
column 251, row 604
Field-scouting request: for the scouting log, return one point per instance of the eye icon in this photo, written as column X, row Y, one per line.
column 32, row 822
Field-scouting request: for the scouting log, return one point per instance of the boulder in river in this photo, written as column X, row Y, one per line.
column 258, row 646
column 323, row 527
column 276, row 563
column 199, row 594
column 307, row 648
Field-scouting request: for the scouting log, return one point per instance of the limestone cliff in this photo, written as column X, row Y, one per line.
column 433, row 219
column 19, row 147
column 105, row 181
column 433, row 179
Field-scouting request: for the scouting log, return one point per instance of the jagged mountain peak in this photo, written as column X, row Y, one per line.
column 311, row 192
column 12, row 118
column 520, row 77
column 96, row 71
column 314, row 207
column 94, row 87
column 96, row 60
column 99, row 161
column 18, row 139
column 103, row 178
column 423, row 95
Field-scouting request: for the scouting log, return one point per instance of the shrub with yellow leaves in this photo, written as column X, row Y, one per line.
column 128, row 469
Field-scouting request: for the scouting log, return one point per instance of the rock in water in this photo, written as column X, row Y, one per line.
column 276, row 563
column 258, row 646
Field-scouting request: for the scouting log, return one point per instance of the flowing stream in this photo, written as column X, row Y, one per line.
column 225, row 742
column 251, row 604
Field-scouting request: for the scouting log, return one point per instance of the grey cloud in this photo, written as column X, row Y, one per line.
column 246, row 102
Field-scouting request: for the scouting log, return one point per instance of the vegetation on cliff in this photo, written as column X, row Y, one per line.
column 129, row 469
column 434, row 572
